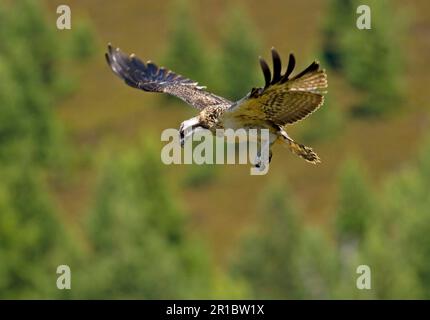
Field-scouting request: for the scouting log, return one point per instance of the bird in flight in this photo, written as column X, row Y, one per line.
column 282, row 101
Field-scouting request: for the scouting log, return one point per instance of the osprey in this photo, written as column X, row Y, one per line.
column 282, row 100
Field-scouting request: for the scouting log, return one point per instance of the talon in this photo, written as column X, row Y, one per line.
column 258, row 162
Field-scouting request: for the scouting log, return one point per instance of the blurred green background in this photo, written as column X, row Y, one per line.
column 82, row 184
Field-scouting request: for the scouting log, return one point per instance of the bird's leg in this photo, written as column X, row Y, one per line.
column 264, row 154
column 257, row 161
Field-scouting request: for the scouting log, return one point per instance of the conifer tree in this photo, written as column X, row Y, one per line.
column 140, row 245
column 282, row 259
column 237, row 69
column 370, row 59
column 356, row 206
column 186, row 53
column 32, row 240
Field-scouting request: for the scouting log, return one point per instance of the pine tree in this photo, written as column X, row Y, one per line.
column 371, row 60
column 32, row 239
column 340, row 15
column 356, row 206
column 27, row 57
column 32, row 62
column 237, row 68
column 186, row 53
column 283, row 259
column 32, row 242
column 140, row 245
column 405, row 225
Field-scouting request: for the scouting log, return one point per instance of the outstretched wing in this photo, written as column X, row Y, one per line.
column 149, row 77
column 283, row 100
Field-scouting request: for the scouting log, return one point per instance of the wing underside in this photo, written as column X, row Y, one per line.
column 149, row 77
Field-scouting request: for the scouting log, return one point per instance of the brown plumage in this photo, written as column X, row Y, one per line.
column 282, row 100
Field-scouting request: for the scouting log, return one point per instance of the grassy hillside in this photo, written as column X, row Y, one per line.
column 104, row 114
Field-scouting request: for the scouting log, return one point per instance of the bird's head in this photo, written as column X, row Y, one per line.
column 189, row 127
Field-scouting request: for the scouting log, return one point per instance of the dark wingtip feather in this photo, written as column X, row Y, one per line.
column 266, row 71
column 277, row 66
column 110, row 50
column 314, row 66
column 108, row 59
column 118, row 62
column 108, row 54
column 290, row 68
column 152, row 68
